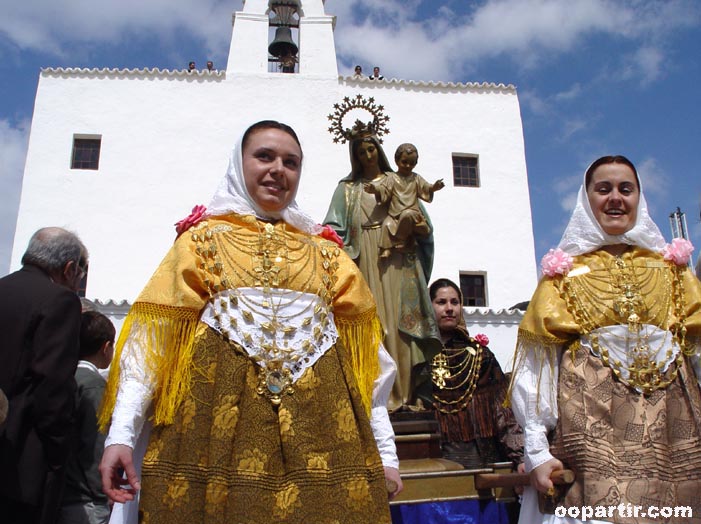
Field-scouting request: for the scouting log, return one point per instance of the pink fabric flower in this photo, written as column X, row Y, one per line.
column 482, row 339
column 678, row 251
column 556, row 262
column 194, row 218
column 329, row 233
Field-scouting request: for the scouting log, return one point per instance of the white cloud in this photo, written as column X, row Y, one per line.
column 49, row 26
column 552, row 109
column 569, row 94
column 408, row 38
column 436, row 43
column 566, row 187
column 534, row 102
column 572, row 126
column 503, row 26
column 657, row 19
column 543, row 106
column 654, row 179
column 645, row 64
column 568, row 201
column 391, row 50
column 567, row 184
column 13, row 150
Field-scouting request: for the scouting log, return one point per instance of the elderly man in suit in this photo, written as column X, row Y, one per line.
column 40, row 325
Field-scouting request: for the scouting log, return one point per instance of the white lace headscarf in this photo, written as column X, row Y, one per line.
column 583, row 234
column 232, row 197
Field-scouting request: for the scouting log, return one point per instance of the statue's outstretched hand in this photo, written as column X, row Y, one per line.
column 438, row 185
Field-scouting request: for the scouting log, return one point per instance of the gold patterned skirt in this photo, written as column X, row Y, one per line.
column 625, row 447
column 233, row 457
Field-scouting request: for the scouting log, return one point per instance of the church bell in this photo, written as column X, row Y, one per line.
column 283, row 45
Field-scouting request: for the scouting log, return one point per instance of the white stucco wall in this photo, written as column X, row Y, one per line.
column 167, row 135
column 501, row 326
column 166, row 138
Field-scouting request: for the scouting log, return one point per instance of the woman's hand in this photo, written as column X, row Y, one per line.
column 115, row 459
column 521, row 468
column 540, row 476
column 393, row 479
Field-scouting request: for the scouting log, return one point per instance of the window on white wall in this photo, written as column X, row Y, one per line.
column 465, row 170
column 474, row 289
column 86, row 152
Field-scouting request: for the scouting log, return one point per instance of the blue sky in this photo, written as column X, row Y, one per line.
column 594, row 77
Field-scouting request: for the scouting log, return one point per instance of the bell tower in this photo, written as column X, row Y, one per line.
column 282, row 36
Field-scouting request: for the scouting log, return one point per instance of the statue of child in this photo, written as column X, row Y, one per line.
column 403, row 190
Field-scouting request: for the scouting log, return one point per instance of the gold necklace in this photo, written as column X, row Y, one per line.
column 277, row 262
column 617, row 294
column 459, row 364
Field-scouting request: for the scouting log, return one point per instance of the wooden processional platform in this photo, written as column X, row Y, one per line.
column 428, row 477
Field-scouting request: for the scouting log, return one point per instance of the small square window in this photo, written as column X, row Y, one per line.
column 86, row 153
column 465, row 171
column 473, row 290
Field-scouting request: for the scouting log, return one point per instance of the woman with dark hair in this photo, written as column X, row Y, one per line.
column 256, row 346
column 467, row 390
column 606, row 380
column 397, row 282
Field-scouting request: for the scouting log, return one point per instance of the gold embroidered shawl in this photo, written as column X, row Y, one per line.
column 219, row 254
column 549, row 324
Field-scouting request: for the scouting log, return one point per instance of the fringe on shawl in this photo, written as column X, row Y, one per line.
column 546, row 350
column 167, row 336
column 361, row 336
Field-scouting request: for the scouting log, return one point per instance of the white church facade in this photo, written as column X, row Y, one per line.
column 163, row 138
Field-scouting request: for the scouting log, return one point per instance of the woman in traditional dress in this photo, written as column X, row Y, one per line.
column 467, row 390
column 397, row 282
column 256, row 346
column 466, row 387
column 606, row 379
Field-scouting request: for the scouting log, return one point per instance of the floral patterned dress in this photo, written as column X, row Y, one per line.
column 261, row 346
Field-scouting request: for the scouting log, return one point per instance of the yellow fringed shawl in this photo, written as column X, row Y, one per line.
column 357, row 335
column 164, row 319
column 548, row 326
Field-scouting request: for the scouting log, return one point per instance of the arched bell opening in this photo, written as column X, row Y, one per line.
column 283, row 49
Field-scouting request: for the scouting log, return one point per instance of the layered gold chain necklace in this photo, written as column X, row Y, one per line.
column 283, row 268
column 634, row 296
column 455, row 371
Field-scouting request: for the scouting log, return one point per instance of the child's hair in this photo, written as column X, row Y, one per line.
column 95, row 330
column 405, row 148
